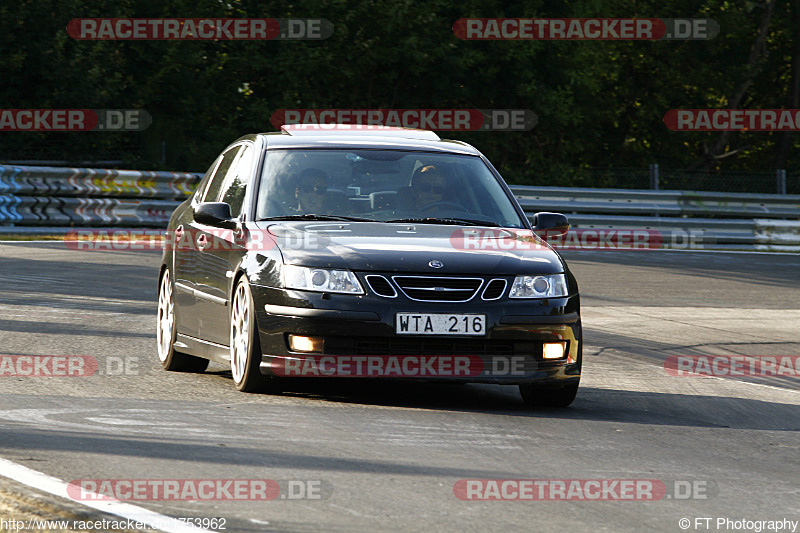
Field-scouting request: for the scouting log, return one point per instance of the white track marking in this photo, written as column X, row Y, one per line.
column 56, row 487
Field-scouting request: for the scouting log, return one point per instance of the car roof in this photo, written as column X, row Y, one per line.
column 337, row 136
column 314, row 130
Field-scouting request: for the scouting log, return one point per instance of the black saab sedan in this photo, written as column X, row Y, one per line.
column 366, row 252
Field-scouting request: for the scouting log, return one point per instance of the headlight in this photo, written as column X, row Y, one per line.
column 321, row 279
column 550, row 286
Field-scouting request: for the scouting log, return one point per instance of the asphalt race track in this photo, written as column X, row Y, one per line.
column 385, row 456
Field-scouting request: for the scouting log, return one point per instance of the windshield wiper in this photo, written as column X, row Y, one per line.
column 448, row 220
column 314, row 216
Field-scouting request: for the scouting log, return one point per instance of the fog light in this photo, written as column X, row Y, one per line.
column 306, row 344
column 553, row 350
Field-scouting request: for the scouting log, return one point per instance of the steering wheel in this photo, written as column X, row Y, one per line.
column 279, row 208
column 443, row 204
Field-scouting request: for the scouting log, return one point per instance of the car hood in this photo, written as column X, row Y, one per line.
column 410, row 247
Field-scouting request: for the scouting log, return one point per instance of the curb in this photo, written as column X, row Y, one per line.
column 22, row 503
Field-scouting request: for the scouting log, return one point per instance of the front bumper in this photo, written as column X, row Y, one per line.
column 361, row 341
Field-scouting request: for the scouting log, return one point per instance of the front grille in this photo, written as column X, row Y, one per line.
column 438, row 289
column 381, row 286
column 494, row 289
column 417, row 346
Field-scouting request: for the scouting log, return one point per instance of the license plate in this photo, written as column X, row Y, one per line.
column 440, row 324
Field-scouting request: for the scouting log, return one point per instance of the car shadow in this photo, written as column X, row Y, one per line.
column 595, row 404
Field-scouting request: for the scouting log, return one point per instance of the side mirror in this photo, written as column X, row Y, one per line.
column 217, row 214
column 550, row 224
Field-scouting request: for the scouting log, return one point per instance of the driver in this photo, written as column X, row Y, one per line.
column 310, row 191
column 428, row 186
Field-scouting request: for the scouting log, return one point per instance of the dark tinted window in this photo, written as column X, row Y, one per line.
column 228, row 158
column 233, row 188
column 203, row 185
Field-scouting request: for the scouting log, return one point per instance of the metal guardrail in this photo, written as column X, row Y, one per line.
column 685, row 219
column 57, row 197
column 658, row 203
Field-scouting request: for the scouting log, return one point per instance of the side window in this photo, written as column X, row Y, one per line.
column 212, row 192
column 233, row 188
column 203, row 185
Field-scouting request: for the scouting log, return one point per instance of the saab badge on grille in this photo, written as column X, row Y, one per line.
column 435, row 264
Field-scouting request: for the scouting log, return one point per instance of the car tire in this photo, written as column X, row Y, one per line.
column 245, row 345
column 166, row 332
column 548, row 396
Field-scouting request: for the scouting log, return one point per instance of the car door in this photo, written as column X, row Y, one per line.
column 185, row 265
column 196, row 239
column 222, row 253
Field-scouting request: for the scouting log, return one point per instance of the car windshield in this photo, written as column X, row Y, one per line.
column 383, row 185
